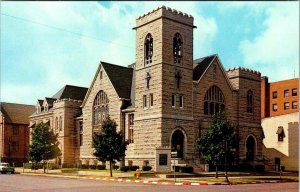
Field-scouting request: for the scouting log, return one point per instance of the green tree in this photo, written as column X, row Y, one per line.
column 219, row 143
column 44, row 144
column 109, row 145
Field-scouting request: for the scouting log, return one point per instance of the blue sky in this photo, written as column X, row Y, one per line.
column 45, row 45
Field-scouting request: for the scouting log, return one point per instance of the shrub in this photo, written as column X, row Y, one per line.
column 116, row 167
column 67, row 165
column 52, row 166
column 246, row 167
column 84, row 166
column 133, row 167
column 125, row 168
column 186, row 169
column 101, row 167
column 27, row 165
column 146, row 168
column 92, row 166
column 259, row 168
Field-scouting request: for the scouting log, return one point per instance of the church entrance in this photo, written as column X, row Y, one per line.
column 177, row 143
column 250, row 148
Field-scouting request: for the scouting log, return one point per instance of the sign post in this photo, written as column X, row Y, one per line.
column 174, row 155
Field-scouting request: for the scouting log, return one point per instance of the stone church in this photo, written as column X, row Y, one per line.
column 162, row 102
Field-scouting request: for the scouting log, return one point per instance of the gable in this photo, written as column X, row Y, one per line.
column 119, row 77
column 220, row 72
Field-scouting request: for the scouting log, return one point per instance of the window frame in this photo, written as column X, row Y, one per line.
column 286, row 106
column 274, row 95
column 214, row 99
column 250, row 100
column 181, row 101
column 286, row 93
column 294, row 104
column 273, row 107
column 151, row 100
column 177, row 48
column 294, row 92
column 144, row 101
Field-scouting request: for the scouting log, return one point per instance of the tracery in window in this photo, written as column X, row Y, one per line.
column 250, row 101
column 100, row 110
column 177, row 48
column 214, row 101
column 148, row 48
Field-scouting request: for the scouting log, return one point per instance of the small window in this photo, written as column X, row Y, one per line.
column 274, row 107
column 130, row 127
column 294, row 104
column 280, row 133
column 60, row 123
column 181, row 101
column 173, row 100
column 177, row 48
column 286, row 93
column 151, row 100
column 249, row 101
column 145, row 101
column 294, row 92
column 100, row 74
column 286, row 105
column 274, row 94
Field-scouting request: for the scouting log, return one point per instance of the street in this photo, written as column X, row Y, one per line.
column 17, row 182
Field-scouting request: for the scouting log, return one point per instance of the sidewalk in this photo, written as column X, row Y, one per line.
column 128, row 177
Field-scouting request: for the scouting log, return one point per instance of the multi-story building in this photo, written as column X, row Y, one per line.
column 61, row 112
column 280, row 122
column 14, row 132
column 164, row 100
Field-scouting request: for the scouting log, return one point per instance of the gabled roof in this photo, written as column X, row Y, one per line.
column 40, row 102
column 49, row 101
column 120, row 77
column 71, row 92
column 16, row 113
column 200, row 65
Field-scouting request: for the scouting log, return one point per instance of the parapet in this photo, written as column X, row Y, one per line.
column 167, row 12
column 243, row 72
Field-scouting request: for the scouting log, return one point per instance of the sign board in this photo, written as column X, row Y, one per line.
column 174, row 154
column 163, row 159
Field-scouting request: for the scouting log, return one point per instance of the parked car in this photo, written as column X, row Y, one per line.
column 5, row 168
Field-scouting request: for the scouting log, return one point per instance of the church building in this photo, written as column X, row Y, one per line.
column 164, row 100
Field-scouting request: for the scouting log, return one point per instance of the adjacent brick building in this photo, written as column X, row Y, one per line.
column 164, row 100
column 14, row 132
column 280, row 122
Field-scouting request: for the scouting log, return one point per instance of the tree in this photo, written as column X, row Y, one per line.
column 109, row 145
column 44, row 144
column 219, row 142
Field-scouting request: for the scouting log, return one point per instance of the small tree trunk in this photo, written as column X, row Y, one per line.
column 216, row 171
column 110, row 168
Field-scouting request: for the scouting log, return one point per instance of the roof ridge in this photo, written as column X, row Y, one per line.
column 103, row 62
column 215, row 54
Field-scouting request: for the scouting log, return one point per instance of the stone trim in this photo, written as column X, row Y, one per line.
column 165, row 116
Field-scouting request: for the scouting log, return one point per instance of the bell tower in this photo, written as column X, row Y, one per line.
column 164, row 77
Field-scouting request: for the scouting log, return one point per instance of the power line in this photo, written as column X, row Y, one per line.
column 64, row 30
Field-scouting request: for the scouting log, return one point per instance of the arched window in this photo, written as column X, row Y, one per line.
column 249, row 101
column 177, row 48
column 148, row 48
column 213, row 101
column 100, row 109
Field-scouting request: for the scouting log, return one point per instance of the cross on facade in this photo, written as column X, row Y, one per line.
column 178, row 78
column 148, row 77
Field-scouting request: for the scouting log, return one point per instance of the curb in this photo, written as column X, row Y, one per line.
column 184, row 183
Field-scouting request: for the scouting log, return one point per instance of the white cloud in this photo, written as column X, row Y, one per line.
column 276, row 47
column 66, row 58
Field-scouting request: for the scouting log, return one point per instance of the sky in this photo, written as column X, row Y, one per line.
column 46, row 45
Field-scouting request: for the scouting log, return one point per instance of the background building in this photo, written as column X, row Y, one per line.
column 280, row 122
column 14, row 132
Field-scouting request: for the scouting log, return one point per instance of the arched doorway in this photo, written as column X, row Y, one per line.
column 250, row 148
column 177, row 143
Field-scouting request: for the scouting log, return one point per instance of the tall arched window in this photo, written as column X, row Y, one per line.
column 148, row 48
column 250, row 101
column 100, row 109
column 177, row 48
column 214, row 101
